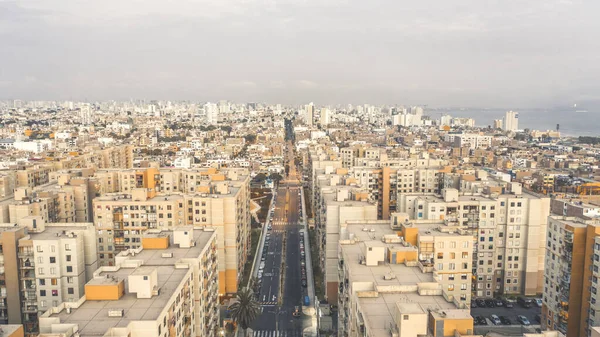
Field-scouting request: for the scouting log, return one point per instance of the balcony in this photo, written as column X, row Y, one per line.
column 27, row 265
column 25, row 253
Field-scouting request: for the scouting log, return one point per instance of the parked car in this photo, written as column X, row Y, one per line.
column 304, row 284
column 538, row 318
column 490, row 303
column 498, row 302
column 523, row 320
column 480, row 303
column 480, row 320
column 507, row 303
column 473, row 304
column 505, row 320
column 538, row 302
column 525, row 302
column 495, row 320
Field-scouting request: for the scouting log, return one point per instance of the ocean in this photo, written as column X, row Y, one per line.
column 572, row 123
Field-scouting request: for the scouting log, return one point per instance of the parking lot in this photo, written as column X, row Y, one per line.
column 510, row 313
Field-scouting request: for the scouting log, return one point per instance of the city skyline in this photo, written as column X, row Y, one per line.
column 507, row 54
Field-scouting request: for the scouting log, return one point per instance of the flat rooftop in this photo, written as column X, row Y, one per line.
column 92, row 316
column 378, row 313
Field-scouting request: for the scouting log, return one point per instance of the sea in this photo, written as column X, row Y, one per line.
column 572, row 122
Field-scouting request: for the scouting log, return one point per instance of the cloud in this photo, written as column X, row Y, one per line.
column 338, row 51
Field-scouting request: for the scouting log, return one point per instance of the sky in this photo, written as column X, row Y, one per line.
column 484, row 53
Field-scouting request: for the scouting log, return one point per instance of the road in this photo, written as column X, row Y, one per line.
column 277, row 313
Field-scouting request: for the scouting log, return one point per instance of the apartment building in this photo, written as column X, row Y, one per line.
column 222, row 203
column 386, row 291
column 55, row 261
column 472, row 141
column 10, row 299
column 166, row 287
column 570, row 302
column 509, row 226
column 337, row 205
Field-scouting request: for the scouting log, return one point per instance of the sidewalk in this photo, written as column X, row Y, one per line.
column 261, row 241
column 309, row 270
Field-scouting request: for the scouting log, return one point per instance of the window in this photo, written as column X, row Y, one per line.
column 54, row 292
column 70, row 291
column 450, row 287
column 42, row 282
column 145, row 278
column 405, row 317
column 463, row 286
column 52, row 259
column 69, row 269
column 68, row 258
column 54, row 281
column 40, row 249
column 67, row 248
column 451, row 277
column 41, row 271
column 69, row 279
column 42, row 292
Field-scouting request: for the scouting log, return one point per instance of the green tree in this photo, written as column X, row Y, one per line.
column 245, row 310
column 276, row 177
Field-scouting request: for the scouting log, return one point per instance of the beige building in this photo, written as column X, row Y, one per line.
column 337, row 205
column 509, row 227
column 167, row 287
column 220, row 202
column 386, row 291
column 570, row 300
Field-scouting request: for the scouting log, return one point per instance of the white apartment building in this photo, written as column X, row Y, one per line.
column 385, row 290
column 509, row 228
column 511, row 121
column 167, row 287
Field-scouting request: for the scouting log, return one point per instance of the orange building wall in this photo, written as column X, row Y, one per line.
column 100, row 292
column 155, row 243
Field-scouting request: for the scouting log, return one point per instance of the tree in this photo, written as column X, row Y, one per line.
column 276, row 177
column 250, row 138
column 260, row 178
column 245, row 310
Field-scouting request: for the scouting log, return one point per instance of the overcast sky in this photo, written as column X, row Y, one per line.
column 484, row 53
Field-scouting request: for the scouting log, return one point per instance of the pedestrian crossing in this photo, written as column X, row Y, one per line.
column 268, row 303
column 273, row 333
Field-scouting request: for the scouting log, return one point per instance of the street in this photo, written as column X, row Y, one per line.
column 277, row 318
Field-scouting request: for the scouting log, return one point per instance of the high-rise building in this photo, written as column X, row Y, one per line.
column 166, row 287
column 389, row 286
column 310, row 110
column 325, row 117
column 511, row 121
column 505, row 221
column 497, row 124
column 153, row 199
column 211, row 112
column 85, row 114
column 571, row 274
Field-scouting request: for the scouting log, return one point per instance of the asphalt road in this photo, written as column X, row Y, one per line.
column 276, row 318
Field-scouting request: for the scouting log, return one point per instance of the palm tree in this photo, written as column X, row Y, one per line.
column 245, row 310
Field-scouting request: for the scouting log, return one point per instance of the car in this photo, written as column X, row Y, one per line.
column 262, row 258
column 525, row 302
column 498, row 302
column 480, row 303
column 490, row 303
column 538, row 318
column 480, row 320
column 473, row 304
column 507, row 303
column 538, row 302
column 304, row 284
column 296, row 312
column 505, row 320
column 523, row 320
column 495, row 319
